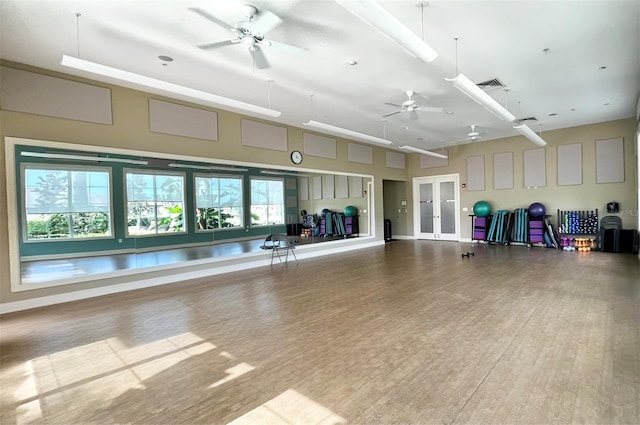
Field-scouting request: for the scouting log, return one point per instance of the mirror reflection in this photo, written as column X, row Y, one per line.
column 86, row 215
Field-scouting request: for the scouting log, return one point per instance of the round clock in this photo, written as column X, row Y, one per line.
column 296, row 157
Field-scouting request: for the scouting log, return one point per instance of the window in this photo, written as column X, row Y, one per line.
column 267, row 202
column 155, row 202
column 218, row 202
column 68, row 202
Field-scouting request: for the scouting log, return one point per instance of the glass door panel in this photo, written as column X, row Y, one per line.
column 436, row 205
column 426, row 208
column 447, row 209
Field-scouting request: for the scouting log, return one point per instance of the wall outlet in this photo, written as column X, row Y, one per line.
column 465, row 209
column 119, row 240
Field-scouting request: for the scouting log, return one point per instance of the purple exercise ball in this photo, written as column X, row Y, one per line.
column 537, row 210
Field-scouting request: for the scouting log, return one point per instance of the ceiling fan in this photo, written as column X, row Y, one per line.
column 250, row 32
column 474, row 134
column 411, row 106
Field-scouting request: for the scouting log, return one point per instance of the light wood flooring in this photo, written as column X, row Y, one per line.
column 40, row 271
column 405, row 333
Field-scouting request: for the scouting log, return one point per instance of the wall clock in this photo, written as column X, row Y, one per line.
column 296, row 157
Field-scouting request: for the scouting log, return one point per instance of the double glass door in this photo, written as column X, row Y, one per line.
column 436, row 207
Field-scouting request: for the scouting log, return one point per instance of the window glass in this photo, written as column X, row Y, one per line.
column 66, row 203
column 267, row 202
column 155, row 203
column 218, row 202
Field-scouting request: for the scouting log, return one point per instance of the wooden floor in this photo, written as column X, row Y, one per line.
column 41, row 271
column 405, row 333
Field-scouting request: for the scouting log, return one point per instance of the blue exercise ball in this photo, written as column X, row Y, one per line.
column 482, row 208
column 537, row 210
column 350, row 211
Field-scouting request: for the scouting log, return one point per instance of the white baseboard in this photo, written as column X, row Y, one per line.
column 220, row 268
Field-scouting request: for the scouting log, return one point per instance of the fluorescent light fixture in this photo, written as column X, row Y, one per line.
column 279, row 173
column 530, row 134
column 207, row 167
column 376, row 16
column 424, row 151
column 83, row 157
column 164, row 86
column 348, row 133
column 468, row 87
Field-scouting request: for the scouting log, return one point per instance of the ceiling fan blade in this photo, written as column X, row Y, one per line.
column 393, row 113
column 265, row 22
column 258, row 58
column 212, row 18
column 413, row 115
column 430, row 109
column 289, row 48
column 393, row 104
column 219, row 43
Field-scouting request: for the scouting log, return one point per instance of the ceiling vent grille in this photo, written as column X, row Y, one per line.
column 491, row 85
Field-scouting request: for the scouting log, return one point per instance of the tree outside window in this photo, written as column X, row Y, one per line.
column 155, row 203
column 66, row 203
column 267, row 202
column 218, row 202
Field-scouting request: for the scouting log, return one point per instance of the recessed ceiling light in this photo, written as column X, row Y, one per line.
column 352, row 62
column 607, row 104
column 573, row 109
column 553, row 114
column 602, row 68
column 165, row 58
column 420, row 138
column 449, row 112
column 546, row 50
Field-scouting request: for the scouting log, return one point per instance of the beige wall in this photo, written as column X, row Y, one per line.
column 394, row 193
column 131, row 131
column 587, row 196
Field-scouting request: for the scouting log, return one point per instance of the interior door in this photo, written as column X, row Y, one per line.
column 436, row 201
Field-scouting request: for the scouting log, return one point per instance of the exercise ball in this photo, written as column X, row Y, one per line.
column 324, row 212
column 350, row 211
column 537, row 210
column 482, row 208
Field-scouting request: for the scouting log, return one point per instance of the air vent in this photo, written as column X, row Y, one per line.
column 491, row 85
column 527, row 119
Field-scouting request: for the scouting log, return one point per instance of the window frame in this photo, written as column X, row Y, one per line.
column 270, row 179
column 24, row 166
column 126, row 171
column 195, row 200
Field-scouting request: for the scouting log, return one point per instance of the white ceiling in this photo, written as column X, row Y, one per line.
column 497, row 39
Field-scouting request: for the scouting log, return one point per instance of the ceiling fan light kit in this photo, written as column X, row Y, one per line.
column 468, row 87
column 530, row 134
column 375, row 15
column 345, row 132
column 164, row 86
column 424, row 151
